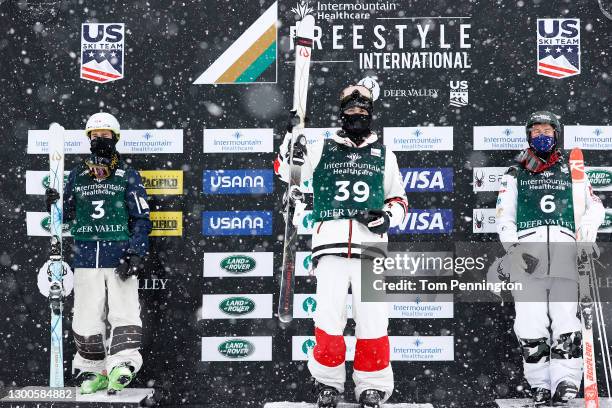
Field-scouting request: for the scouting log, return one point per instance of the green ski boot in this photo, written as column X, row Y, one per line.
column 119, row 378
column 92, row 382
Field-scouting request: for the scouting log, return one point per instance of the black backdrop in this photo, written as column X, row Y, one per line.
column 168, row 45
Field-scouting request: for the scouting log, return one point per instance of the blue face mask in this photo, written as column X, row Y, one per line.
column 542, row 143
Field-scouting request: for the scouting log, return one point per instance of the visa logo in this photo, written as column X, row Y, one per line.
column 236, row 223
column 238, row 181
column 426, row 221
column 427, row 179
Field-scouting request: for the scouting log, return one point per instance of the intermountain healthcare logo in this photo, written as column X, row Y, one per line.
column 408, row 139
column 238, row 140
column 238, row 181
column 459, row 94
column 558, row 47
column 102, row 52
column 427, row 179
column 499, row 138
column 426, row 221
column 236, row 223
column 249, row 58
column 587, row 137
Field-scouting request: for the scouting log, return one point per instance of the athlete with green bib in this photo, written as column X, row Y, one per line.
column 535, row 222
column 358, row 195
column 106, row 206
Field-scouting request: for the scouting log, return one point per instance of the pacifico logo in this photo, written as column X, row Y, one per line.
column 237, row 306
column 238, row 348
column 166, row 182
column 167, row 224
column 238, row 264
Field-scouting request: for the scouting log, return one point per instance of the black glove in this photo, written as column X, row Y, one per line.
column 51, row 196
column 130, row 265
column 377, row 221
column 294, row 120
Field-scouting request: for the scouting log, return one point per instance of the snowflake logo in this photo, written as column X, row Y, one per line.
column 302, row 9
column 598, row 131
column 237, row 135
column 418, row 300
column 353, row 156
column 147, row 136
column 507, row 131
column 418, row 342
column 418, row 132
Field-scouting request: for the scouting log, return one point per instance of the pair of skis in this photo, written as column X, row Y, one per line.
column 589, row 301
column 294, row 196
column 56, row 268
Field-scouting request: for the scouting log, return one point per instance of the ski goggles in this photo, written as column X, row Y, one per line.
column 98, row 171
column 356, row 96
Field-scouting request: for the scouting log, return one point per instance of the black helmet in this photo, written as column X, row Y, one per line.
column 543, row 117
column 356, row 96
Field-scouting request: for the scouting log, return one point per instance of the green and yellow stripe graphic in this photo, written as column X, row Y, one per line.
column 249, row 56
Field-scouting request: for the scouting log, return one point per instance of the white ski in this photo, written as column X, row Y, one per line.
column 56, row 265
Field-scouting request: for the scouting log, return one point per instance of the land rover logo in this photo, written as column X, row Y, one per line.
column 237, row 306
column 308, row 345
column 600, row 177
column 46, row 224
column 607, row 220
column 46, row 183
column 236, row 348
column 238, row 264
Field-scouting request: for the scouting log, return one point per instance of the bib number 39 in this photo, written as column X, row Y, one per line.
column 547, row 204
column 98, row 211
column 360, row 191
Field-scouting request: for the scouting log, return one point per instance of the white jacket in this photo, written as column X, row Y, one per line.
column 344, row 237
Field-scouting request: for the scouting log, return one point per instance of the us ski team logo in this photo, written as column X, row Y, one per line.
column 102, row 58
column 247, row 60
column 558, row 47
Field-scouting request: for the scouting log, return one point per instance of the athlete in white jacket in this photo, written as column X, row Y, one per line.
column 358, row 195
column 535, row 205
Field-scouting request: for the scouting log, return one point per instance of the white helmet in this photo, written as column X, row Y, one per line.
column 101, row 121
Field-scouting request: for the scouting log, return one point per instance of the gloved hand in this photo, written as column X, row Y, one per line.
column 130, row 265
column 294, row 120
column 521, row 258
column 587, row 232
column 377, row 221
column 51, row 196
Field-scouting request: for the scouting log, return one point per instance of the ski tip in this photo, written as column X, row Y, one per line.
column 55, row 126
column 306, row 27
column 576, row 161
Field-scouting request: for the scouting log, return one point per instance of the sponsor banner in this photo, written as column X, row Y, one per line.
column 216, row 223
column 245, row 348
column 38, row 181
column 487, row 178
column 587, row 137
column 410, row 139
column 314, row 135
column 238, row 181
column 500, row 138
column 558, row 47
column 600, row 178
column 606, row 226
column 102, row 57
column 237, row 306
column 162, row 182
column 483, row 221
column 38, row 224
column 303, row 264
column 411, row 93
column 238, row 140
column 306, row 223
column 167, row 224
column 305, row 304
column 426, row 221
column 429, row 180
column 132, row 141
column 238, row 264
column 403, row 348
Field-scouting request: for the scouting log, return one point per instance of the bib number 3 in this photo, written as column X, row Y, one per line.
column 98, row 211
column 360, row 190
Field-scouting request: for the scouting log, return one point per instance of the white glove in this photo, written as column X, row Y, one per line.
column 587, row 232
column 515, row 259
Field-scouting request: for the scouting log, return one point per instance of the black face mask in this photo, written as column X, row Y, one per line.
column 356, row 126
column 103, row 147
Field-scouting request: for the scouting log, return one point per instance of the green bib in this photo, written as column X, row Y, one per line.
column 545, row 198
column 348, row 179
column 101, row 213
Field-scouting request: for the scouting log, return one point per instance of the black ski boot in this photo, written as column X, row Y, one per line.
column 565, row 392
column 541, row 396
column 327, row 396
column 371, row 399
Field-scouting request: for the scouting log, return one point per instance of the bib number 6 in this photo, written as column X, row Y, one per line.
column 98, row 209
column 547, row 204
column 361, row 191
